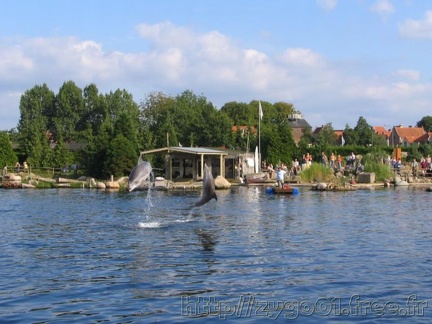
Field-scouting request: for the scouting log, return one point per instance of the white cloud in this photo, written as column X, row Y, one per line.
column 383, row 8
column 327, row 4
column 214, row 65
column 409, row 74
column 417, row 28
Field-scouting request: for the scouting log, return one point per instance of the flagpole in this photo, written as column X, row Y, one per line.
column 259, row 126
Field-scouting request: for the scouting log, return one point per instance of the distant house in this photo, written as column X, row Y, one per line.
column 426, row 138
column 244, row 129
column 381, row 131
column 299, row 126
column 405, row 136
column 339, row 138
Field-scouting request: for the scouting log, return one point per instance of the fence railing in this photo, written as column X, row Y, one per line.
column 45, row 170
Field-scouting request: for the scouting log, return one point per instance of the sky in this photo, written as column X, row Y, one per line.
column 334, row 60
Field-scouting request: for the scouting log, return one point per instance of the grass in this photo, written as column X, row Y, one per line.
column 317, row 173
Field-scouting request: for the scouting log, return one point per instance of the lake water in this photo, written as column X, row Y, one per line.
column 80, row 255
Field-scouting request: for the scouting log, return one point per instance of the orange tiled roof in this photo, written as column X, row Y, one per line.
column 381, row 130
column 410, row 134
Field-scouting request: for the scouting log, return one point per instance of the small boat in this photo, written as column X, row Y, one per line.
column 257, row 178
column 286, row 189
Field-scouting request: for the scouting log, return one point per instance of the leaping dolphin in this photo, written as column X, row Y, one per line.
column 139, row 174
column 208, row 187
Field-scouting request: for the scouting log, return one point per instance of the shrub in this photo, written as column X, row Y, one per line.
column 317, row 172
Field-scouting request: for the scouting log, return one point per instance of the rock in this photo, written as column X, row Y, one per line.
column 123, row 180
column 33, row 182
column 12, row 177
column 321, row 186
column 222, row 183
column 101, row 185
column 401, row 183
column 27, row 186
column 112, row 185
column 92, row 183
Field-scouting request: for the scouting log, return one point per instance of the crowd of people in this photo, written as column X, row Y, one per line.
column 334, row 162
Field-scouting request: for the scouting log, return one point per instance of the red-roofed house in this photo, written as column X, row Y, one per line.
column 339, row 139
column 404, row 136
column 382, row 132
column 426, row 138
column 244, row 129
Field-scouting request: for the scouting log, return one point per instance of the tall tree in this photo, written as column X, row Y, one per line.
column 94, row 113
column 68, row 110
column 364, row 132
column 32, row 126
column 120, row 158
column 326, row 137
column 350, row 135
column 7, row 154
column 426, row 123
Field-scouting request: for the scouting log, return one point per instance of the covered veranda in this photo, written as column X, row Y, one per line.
column 187, row 163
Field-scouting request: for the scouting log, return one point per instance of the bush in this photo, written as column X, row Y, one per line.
column 317, row 172
column 373, row 163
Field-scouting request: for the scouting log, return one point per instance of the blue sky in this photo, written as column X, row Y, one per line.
column 335, row 60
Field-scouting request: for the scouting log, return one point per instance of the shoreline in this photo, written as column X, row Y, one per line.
column 32, row 181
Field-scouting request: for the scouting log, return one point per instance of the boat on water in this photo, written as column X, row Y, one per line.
column 257, row 178
column 286, row 189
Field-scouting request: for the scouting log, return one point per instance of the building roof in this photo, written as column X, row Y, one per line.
column 244, row 128
column 299, row 123
column 381, row 130
column 427, row 137
column 410, row 134
column 188, row 150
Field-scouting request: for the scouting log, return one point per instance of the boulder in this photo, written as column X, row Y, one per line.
column 101, row 185
column 222, row 183
column 112, row 185
column 92, row 183
column 321, row 186
column 27, row 186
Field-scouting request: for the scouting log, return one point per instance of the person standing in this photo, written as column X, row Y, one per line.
column 280, row 175
column 17, row 167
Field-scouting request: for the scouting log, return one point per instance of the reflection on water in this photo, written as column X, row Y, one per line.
column 80, row 255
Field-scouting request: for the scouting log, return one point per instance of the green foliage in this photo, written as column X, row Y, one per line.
column 61, row 156
column 317, row 173
column 120, row 158
column 326, row 137
column 426, row 123
column 7, row 155
column 113, row 125
column 374, row 163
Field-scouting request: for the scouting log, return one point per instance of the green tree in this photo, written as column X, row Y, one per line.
column 238, row 112
column 94, row 113
column 305, row 140
column 326, row 137
column 155, row 120
column 120, row 158
column 364, row 132
column 68, row 110
column 7, row 154
column 94, row 155
column 61, row 156
column 426, row 123
column 350, row 135
column 34, row 135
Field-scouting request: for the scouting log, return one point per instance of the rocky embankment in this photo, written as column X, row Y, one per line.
column 28, row 181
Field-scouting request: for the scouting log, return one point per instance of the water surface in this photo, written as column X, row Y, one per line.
column 93, row 256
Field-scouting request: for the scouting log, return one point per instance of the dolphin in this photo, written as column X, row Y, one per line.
column 208, row 187
column 139, row 174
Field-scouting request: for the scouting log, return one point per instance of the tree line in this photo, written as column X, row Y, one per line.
column 112, row 129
